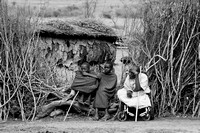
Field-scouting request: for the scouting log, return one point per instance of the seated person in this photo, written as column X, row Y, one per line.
column 86, row 83
column 106, row 90
column 135, row 89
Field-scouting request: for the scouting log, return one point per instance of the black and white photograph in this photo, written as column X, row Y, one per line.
column 99, row 66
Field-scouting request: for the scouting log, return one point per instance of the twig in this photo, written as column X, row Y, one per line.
column 70, row 106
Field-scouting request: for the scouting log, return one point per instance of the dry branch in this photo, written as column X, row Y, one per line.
column 172, row 32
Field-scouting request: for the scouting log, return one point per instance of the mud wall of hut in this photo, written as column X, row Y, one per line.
column 120, row 68
column 60, row 58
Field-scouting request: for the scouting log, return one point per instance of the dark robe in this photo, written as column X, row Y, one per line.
column 86, row 86
column 106, row 90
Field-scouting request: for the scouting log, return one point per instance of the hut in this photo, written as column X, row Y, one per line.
column 66, row 44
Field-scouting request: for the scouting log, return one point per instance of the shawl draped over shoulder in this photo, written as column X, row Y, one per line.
column 84, row 84
column 106, row 90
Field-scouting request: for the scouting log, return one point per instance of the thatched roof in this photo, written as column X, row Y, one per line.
column 79, row 29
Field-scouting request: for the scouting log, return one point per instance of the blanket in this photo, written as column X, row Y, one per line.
column 84, row 84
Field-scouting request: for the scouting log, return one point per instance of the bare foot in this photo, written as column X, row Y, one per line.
column 113, row 119
column 96, row 118
column 106, row 117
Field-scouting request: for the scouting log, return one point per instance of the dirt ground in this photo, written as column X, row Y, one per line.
column 86, row 125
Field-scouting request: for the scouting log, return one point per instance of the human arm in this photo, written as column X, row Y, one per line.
column 97, row 76
column 128, row 87
column 144, row 82
column 71, row 94
column 127, row 84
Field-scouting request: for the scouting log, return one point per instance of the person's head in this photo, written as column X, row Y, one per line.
column 108, row 66
column 133, row 71
column 85, row 67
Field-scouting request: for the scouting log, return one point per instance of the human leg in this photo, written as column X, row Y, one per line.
column 96, row 116
column 106, row 116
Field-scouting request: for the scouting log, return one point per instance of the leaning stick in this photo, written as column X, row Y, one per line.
column 70, row 106
column 136, row 114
